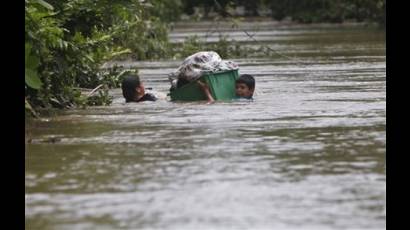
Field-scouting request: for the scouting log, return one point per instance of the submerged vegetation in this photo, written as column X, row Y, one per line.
column 67, row 41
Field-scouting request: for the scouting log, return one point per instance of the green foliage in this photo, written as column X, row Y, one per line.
column 102, row 98
column 147, row 39
column 166, row 10
column 31, row 64
column 67, row 41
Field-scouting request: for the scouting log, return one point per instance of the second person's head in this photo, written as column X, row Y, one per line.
column 245, row 86
column 132, row 88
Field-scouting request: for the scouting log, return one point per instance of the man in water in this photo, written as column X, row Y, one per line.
column 244, row 88
column 133, row 90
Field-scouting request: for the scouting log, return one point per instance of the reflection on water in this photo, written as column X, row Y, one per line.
column 308, row 153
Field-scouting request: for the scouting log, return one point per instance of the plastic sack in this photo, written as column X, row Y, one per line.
column 197, row 64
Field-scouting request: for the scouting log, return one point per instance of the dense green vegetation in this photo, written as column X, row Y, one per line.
column 67, row 41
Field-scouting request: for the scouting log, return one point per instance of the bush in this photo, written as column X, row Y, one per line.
column 67, row 41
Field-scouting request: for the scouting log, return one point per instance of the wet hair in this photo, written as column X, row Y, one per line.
column 181, row 82
column 246, row 79
column 129, row 84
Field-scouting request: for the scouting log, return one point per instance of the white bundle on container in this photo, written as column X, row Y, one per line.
column 197, row 64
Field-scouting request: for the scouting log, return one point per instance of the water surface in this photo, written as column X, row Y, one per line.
column 307, row 153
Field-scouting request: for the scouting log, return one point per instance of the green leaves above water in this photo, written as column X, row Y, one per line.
column 31, row 64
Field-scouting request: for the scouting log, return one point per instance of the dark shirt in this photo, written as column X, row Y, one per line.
column 148, row 97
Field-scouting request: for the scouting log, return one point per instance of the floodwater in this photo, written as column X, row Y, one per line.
column 307, row 153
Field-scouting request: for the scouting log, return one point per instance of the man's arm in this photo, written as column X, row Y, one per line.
column 205, row 89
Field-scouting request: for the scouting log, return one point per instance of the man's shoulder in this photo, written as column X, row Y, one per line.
column 148, row 97
column 151, row 97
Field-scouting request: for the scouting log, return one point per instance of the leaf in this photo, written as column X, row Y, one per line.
column 89, row 58
column 32, row 62
column 104, row 38
column 45, row 4
column 32, row 80
column 27, row 51
column 114, row 54
column 30, row 108
column 123, row 72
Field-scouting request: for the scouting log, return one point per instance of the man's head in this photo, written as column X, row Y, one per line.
column 244, row 86
column 132, row 88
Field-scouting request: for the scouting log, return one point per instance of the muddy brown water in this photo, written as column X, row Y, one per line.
column 307, row 153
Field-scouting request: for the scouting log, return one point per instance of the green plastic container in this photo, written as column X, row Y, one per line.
column 221, row 85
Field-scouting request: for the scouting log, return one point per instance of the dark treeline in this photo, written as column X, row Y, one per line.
column 330, row 10
column 305, row 11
